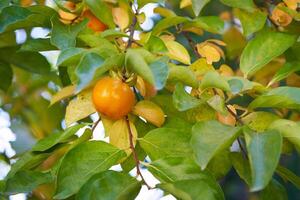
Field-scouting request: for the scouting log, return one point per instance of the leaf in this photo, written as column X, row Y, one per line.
column 259, row 121
column 217, row 170
column 55, row 138
column 150, row 112
column 81, row 163
column 218, row 103
column 288, row 129
column 286, row 70
column 62, row 94
column 7, row 39
column 39, row 44
column 112, row 34
column 198, row 5
column 121, row 17
column 70, row 56
column 64, row 36
column 235, row 42
column 264, row 152
column 240, row 85
column 213, row 79
column 31, row 61
column 251, row 21
column 281, row 97
column 26, row 181
column 160, row 72
column 274, row 189
column 156, row 45
column 286, row 174
column 6, row 76
column 211, row 24
column 157, row 143
column 246, row 5
column 119, row 135
column 79, row 108
column 182, row 100
column 102, row 11
column 262, row 49
column 192, row 189
column 241, row 166
column 110, row 185
column 183, row 75
column 135, row 62
column 209, row 138
column 167, row 23
column 200, row 67
column 177, row 52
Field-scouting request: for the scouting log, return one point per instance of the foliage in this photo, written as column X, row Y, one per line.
column 216, row 87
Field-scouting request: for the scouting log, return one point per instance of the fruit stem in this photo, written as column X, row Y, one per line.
column 135, row 156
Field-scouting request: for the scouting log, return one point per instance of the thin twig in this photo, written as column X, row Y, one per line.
column 131, row 29
column 96, row 124
column 192, row 44
column 135, row 156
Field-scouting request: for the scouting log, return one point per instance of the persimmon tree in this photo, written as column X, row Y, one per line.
column 212, row 86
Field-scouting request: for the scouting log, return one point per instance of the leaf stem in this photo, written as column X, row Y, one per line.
column 135, row 156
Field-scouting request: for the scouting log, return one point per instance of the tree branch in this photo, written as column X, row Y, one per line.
column 134, row 154
column 96, row 124
column 131, row 29
column 191, row 43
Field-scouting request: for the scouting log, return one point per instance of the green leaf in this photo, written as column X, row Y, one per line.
column 86, row 68
column 64, row 36
column 287, row 69
column 157, row 143
column 263, row 48
column 6, row 75
column 211, row 24
column 102, row 11
column 217, row 170
column 251, row 21
column 55, row 138
column 193, row 189
column 40, row 44
column 136, row 63
column 259, row 121
column 241, row 166
column 274, row 190
column 281, row 97
column 218, row 103
column 110, row 185
column 210, row 138
column 288, row 129
column 160, row 72
column 8, row 39
column 240, row 85
column 213, row 79
column 182, row 100
column 198, row 5
column 167, row 23
column 26, row 181
column 170, row 169
column 183, row 75
column 246, row 4
column 288, row 175
column 155, row 45
column 112, row 34
column 4, row 3
column 264, row 152
column 82, row 162
column 70, row 56
column 30, row 61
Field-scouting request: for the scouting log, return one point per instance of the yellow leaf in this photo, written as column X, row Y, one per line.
column 107, row 124
column 209, row 51
column 280, row 17
column 200, row 67
column 121, row 17
column 141, row 18
column 80, row 107
column 218, row 42
column 167, row 37
column 62, row 94
column 119, row 135
column 140, row 85
column 292, row 4
column 225, row 70
column 185, row 3
column 177, row 52
column 164, row 12
column 150, row 112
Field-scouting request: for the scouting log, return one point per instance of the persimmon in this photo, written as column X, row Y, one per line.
column 113, row 98
column 94, row 23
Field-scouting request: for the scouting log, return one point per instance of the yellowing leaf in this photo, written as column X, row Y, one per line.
column 80, row 108
column 218, row 42
column 177, row 52
column 164, row 12
column 225, row 70
column 292, row 4
column 196, row 30
column 280, row 17
column 121, row 17
column 150, row 111
column 185, row 3
column 209, row 51
column 119, row 135
column 107, row 124
column 141, row 18
column 200, row 67
column 62, row 94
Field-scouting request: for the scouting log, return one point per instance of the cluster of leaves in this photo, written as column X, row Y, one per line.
column 233, row 103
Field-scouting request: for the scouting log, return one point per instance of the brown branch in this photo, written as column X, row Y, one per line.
column 96, row 124
column 131, row 29
column 135, row 156
column 191, row 43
